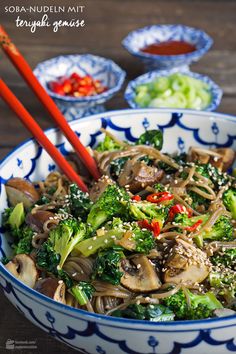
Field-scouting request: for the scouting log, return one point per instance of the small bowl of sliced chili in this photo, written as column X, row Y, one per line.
column 80, row 84
column 167, row 46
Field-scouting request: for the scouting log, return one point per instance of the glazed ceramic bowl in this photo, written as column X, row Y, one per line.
column 105, row 70
column 140, row 38
column 98, row 334
column 130, row 92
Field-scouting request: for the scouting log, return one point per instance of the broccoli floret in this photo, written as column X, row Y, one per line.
column 113, row 202
column 224, row 283
column 151, row 137
column 65, row 236
column 226, row 258
column 107, row 265
column 201, row 305
column 157, row 313
column 108, row 144
column 13, row 218
column 24, row 245
column 146, row 210
column 80, row 203
column 60, row 243
column 82, row 292
column 220, row 231
column 229, row 200
column 136, row 239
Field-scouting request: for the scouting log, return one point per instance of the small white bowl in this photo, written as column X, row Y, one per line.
column 105, row 70
column 140, row 38
column 130, row 92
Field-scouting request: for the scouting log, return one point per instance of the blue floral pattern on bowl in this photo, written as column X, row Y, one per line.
column 97, row 334
column 130, row 92
column 142, row 37
column 105, row 70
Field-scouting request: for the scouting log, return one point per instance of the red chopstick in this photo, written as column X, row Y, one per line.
column 24, row 69
column 39, row 135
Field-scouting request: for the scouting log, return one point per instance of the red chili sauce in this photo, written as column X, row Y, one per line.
column 169, row 48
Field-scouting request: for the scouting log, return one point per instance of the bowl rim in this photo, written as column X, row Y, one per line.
column 94, row 316
column 126, row 42
column 102, row 96
column 150, row 76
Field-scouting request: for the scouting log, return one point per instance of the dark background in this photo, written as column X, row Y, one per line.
column 107, row 23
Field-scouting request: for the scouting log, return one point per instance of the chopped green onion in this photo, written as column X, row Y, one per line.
column 175, row 91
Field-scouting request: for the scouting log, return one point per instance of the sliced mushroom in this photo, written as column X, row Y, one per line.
column 186, row 265
column 37, row 220
column 228, row 157
column 19, row 190
column 221, row 158
column 53, row 288
column 99, row 187
column 23, row 268
column 139, row 275
column 139, row 175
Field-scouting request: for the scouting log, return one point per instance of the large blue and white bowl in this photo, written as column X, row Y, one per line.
column 105, row 70
column 97, row 334
column 140, row 38
column 215, row 90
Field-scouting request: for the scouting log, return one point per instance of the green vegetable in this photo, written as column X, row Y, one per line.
column 229, row 200
column 113, row 202
column 201, row 306
column 143, row 240
column 146, row 210
column 17, row 216
column 176, row 90
column 80, row 203
column 224, row 283
column 116, row 166
column 83, row 292
column 155, row 313
column 108, row 144
column 226, row 258
column 13, row 218
column 60, row 244
column 107, row 265
column 153, row 138
column 222, row 230
column 24, row 245
column 93, row 244
column 180, row 159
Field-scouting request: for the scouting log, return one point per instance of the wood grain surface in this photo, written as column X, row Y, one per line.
column 107, row 22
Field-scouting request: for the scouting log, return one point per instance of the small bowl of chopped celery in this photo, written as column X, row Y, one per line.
column 171, row 89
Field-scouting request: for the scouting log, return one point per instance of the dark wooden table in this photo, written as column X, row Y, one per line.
column 107, row 22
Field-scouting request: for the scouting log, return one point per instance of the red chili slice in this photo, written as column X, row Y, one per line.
column 159, row 197
column 194, row 226
column 136, row 197
column 156, row 228
column 176, row 209
column 56, row 87
column 144, row 224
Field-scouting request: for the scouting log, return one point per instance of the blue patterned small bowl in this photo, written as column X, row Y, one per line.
column 142, row 37
column 130, row 91
column 105, row 70
column 98, row 334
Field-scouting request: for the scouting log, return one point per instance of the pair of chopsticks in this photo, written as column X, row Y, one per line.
column 7, row 95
